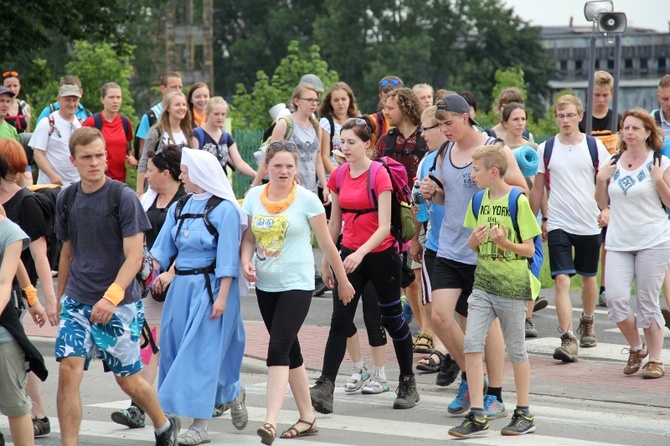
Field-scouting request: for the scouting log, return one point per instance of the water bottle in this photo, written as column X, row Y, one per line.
column 418, row 200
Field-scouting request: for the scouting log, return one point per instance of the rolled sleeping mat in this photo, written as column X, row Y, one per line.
column 527, row 159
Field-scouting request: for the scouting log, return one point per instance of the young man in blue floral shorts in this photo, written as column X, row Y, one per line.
column 101, row 312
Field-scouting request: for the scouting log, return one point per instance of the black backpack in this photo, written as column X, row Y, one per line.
column 213, row 202
column 46, row 199
column 97, row 123
column 391, row 138
column 136, row 141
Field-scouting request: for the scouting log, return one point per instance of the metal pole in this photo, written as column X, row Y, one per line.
column 589, row 93
column 617, row 69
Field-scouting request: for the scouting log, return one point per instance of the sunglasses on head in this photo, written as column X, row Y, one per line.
column 10, row 74
column 278, row 146
column 385, row 82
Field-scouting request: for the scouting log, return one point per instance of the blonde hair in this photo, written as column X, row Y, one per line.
column 567, row 100
column 493, row 156
column 664, row 82
column 429, row 114
column 214, row 101
column 297, row 93
column 603, row 79
column 163, row 124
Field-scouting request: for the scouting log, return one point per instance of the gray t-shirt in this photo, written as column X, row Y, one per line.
column 308, row 149
column 9, row 233
column 97, row 241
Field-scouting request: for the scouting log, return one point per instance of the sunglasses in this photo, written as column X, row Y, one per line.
column 10, row 74
column 425, row 129
column 278, row 146
column 357, row 121
column 385, row 82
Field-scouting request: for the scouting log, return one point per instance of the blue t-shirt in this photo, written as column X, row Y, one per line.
column 435, row 210
column 284, row 258
column 81, row 112
column 143, row 129
column 97, row 241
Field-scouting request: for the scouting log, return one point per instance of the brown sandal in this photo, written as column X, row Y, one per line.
column 293, row 432
column 267, row 433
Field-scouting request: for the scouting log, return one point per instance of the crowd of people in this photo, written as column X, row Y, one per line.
column 150, row 280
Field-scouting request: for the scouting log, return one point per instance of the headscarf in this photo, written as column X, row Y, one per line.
column 205, row 171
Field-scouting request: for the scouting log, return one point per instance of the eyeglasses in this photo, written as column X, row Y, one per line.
column 278, row 146
column 567, row 116
column 10, row 74
column 385, row 82
column 310, row 100
column 425, row 129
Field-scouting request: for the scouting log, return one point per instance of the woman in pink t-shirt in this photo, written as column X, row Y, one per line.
column 369, row 254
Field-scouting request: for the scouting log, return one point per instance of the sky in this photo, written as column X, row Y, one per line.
column 653, row 14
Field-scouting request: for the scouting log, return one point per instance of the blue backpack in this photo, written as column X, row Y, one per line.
column 535, row 262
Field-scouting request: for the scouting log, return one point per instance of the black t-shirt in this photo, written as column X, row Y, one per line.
column 157, row 217
column 600, row 124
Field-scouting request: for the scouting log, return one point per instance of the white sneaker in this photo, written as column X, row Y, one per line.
column 358, row 377
column 377, row 384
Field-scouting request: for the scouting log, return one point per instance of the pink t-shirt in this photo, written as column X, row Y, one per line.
column 353, row 195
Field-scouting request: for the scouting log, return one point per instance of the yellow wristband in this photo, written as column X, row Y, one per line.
column 114, row 294
column 31, row 295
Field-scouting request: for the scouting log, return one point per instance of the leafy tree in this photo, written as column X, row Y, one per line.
column 252, row 107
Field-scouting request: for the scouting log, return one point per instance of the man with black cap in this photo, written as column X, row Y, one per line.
column 454, row 270
column 51, row 138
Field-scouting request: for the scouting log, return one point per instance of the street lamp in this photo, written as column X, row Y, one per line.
column 600, row 14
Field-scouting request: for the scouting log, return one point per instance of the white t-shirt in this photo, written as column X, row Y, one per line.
column 179, row 139
column 56, row 147
column 284, row 258
column 637, row 217
column 572, row 202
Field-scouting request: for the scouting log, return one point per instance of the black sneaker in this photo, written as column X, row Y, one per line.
column 448, row 373
column 540, row 304
column 470, row 427
column 41, row 426
column 322, row 395
column 319, row 286
column 520, row 424
column 131, row 417
column 408, row 396
column 169, row 437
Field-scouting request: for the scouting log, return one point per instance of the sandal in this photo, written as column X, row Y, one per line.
column 423, row 347
column 267, row 433
column 432, row 366
column 293, row 432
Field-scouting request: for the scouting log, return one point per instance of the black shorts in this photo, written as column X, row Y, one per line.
column 586, row 253
column 449, row 274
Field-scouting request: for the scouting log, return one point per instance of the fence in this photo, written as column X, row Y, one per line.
column 248, row 141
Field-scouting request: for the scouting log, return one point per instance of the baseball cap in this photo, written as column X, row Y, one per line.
column 457, row 104
column 5, row 90
column 313, row 80
column 69, row 90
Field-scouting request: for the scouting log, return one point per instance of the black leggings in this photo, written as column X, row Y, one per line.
column 383, row 270
column 372, row 318
column 284, row 313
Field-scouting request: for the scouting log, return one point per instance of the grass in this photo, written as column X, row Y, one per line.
column 548, row 282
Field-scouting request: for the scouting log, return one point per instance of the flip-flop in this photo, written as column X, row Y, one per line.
column 432, row 366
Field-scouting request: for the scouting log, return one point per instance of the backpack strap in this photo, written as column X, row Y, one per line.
column 97, row 121
column 512, row 205
column 372, row 183
column 52, row 107
column 657, row 117
column 331, row 122
column 125, row 122
column 114, row 200
column 52, row 124
column 491, row 132
column 548, row 150
column 339, row 178
column 213, row 202
column 88, row 112
column 441, row 152
column 477, row 202
column 525, row 134
column 199, row 133
column 391, row 137
column 289, row 127
column 593, row 151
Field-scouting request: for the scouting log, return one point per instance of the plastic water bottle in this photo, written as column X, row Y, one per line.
column 418, row 200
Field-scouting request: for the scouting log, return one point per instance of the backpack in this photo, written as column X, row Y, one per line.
column 136, row 141
column 213, row 202
column 113, row 199
column 46, row 199
column 535, row 262
column 402, row 219
column 657, row 117
column 97, row 123
column 444, row 148
column 52, row 124
column 329, row 118
column 525, row 135
column 392, row 137
column 549, row 148
column 52, row 108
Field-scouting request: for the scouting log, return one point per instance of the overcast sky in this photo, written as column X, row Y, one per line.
column 654, row 14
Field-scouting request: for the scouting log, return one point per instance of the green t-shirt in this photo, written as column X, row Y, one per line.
column 8, row 131
column 502, row 272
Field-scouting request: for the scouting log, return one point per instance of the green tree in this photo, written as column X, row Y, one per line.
column 96, row 64
column 252, row 107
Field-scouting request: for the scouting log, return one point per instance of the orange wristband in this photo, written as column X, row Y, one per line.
column 31, row 295
column 114, row 294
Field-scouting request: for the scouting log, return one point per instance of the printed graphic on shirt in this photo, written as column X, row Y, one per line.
column 270, row 232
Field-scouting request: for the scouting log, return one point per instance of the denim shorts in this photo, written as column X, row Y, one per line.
column 117, row 342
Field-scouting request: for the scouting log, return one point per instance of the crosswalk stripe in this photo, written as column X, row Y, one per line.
column 394, row 428
column 603, row 351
